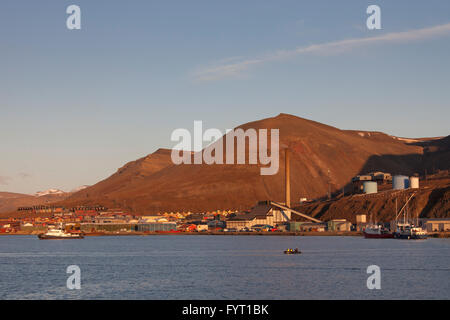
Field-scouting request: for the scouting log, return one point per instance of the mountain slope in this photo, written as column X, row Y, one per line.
column 320, row 153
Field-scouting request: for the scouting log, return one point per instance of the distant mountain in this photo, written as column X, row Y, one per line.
column 321, row 155
column 11, row 201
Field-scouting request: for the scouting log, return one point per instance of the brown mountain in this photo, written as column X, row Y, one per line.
column 320, row 153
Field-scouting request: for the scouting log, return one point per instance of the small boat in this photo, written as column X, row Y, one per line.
column 292, row 251
column 377, row 232
column 407, row 229
column 409, row 232
column 54, row 234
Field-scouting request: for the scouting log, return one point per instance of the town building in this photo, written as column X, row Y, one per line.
column 296, row 226
column 339, row 225
column 379, row 177
column 262, row 214
column 436, row 225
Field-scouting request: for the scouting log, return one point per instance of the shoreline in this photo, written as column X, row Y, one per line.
column 284, row 234
column 207, row 233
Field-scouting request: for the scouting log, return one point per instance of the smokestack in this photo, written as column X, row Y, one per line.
column 287, row 169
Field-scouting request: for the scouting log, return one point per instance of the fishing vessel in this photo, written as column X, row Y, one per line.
column 406, row 229
column 374, row 231
column 410, row 232
column 59, row 233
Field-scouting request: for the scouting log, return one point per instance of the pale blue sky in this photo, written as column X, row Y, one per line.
column 76, row 105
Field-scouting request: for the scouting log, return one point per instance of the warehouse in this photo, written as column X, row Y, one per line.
column 378, row 177
column 156, row 226
column 339, row 225
column 295, row 226
column 436, row 225
column 109, row 227
column 263, row 213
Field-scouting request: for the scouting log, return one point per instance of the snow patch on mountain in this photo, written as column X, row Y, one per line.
column 80, row 188
column 49, row 192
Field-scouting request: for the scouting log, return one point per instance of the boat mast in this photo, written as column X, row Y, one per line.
column 396, row 215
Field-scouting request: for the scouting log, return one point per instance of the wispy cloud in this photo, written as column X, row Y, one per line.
column 229, row 69
column 24, row 175
column 4, row 180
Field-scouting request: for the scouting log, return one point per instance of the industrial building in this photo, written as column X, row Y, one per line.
column 361, row 222
column 296, row 226
column 369, row 183
column 436, row 225
column 378, row 177
column 339, row 225
column 109, row 227
column 263, row 213
column 156, row 226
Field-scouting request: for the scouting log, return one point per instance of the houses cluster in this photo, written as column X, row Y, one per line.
column 263, row 217
column 98, row 218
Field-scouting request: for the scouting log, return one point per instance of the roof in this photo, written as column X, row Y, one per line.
column 260, row 211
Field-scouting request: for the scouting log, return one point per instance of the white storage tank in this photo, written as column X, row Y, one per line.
column 414, row 182
column 370, row 187
column 400, row 182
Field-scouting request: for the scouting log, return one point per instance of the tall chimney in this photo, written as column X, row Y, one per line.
column 287, row 169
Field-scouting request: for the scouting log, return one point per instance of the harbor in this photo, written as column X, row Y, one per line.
column 267, row 217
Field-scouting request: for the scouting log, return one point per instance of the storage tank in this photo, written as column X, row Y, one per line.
column 400, row 182
column 370, row 187
column 414, row 182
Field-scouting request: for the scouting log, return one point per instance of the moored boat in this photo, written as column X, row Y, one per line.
column 407, row 229
column 377, row 232
column 410, row 232
column 54, row 234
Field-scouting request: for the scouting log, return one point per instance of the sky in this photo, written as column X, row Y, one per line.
column 75, row 105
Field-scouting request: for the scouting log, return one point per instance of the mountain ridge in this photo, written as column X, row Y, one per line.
column 153, row 183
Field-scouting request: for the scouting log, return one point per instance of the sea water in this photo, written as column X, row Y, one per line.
column 223, row 267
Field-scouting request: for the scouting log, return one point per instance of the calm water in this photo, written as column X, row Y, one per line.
column 223, row 267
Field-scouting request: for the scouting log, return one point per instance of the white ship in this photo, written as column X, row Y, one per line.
column 58, row 233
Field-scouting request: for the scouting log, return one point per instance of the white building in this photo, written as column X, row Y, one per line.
column 436, row 225
column 261, row 214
